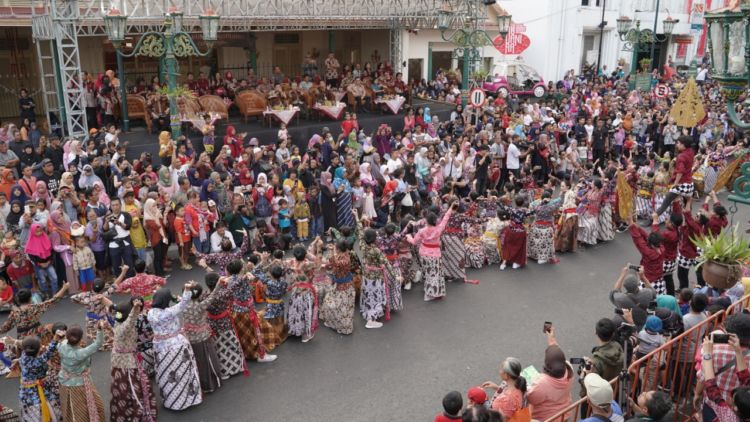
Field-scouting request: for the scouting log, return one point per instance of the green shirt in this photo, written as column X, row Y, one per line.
column 74, row 360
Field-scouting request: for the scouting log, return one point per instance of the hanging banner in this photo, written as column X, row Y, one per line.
column 516, row 42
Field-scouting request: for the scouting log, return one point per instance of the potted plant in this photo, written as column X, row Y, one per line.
column 645, row 65
column 722, row 257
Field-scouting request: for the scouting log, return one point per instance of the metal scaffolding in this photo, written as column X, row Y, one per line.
column 55, row 29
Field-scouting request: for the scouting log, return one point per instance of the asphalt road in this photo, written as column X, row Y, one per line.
column 401, row 371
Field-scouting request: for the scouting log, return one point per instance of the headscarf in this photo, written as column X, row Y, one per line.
column 339, row 180
column 314, row 140
column 38, row 245
column 554, row 362
column 14, row 218
column 42, row 195
column 426, row 115
column 87, row 181
column 353, row 144
column 205, row 194
column 364, row 174
column 64, row 184
column 8, row 180
column 165, row 148
column 162, row 298
column 17, row 194
column 165, row 177
column 264, row 181
column 669, row 302
column 62, row 228
column 325, row 179
column 103, row 197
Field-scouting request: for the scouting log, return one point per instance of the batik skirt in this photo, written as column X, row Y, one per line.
column 208, row 364
column 491, row 252
column 177, row 377
column 75, row 407
column 474, row 252
column 588, row 225
column 229, row 350
column 567, row 234
column 541, row 242
column 434, row 283
column 274, row 331
column 453, row 257
column 658, row 199
column 250, row 336
column 409, row 267
column 129, row 402
column 395, row 299
column 644, row 207
column 337, row 311
column 606, row 230
column 710, row 176
column 33, row 413
column 145, row 343
column 373, row 300
column 8, row 415
column 301, row 317
column 514, row 245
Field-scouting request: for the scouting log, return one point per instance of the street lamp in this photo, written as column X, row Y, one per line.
column 471, row 37
column 639, row 40
column 729, row 42
column 168, row 45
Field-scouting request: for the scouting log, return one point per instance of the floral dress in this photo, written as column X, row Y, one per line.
column 274, row 330
column 542, row 232
column 303, row 300
column 390, row 245
column 37, row 398
column 337, row 310
column 26, row 319
column 97, row 308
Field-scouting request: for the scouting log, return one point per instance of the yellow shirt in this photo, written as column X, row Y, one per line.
column 137, row 235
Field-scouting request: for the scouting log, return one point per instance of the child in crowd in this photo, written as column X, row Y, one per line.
column 182, row 236
column 20, row 272
column 83, row 263
column 208, row 134
column 452, row 405
column 285, row 221
column 302, row 217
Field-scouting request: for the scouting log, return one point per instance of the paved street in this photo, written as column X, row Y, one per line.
column 401, row 372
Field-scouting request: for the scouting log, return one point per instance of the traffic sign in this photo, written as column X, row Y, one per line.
column 477, row 97
column 662, row 91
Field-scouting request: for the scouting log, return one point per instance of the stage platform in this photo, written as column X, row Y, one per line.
column 139, row 140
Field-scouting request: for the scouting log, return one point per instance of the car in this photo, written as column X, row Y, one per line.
column 516, row 78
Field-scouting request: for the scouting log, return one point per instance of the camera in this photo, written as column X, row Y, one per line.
column 721, row 338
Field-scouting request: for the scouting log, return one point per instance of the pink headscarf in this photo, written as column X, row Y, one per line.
column 38, row 245
column 42, row 195
column 103, row 197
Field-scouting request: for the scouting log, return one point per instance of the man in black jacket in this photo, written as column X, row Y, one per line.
column 600, row 144
column 119, row 243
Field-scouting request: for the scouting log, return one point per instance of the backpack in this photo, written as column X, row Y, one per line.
column 263, row 207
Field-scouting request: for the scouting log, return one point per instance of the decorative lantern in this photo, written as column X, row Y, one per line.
column 209, row 25
column 669, row 25
column 114, row 25
column 624, row 24
column 503, row 23
column 728, row 36
column 176, row 19
column 445, row 18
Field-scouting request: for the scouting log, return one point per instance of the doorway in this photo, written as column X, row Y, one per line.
column 441, row 60
column 415, row 70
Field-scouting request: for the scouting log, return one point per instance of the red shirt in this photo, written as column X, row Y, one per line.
column 6, row 294
column 684, row 166
column 16, row 273
column 443, row 418
column 670, row 238
column 691, row 228
column 652, row 259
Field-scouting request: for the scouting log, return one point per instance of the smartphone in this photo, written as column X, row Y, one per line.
column 635, row 268
column 577, row 361
column 721, row 338
column 652, row 305
column 547, row 327
column 619, row 311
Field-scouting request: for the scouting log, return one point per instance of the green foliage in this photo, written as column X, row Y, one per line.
column 178, row 92
column 728, row 247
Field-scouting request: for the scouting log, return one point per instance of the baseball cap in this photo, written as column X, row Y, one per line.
column 46, row 161
column 630, row 284
column 653, row 324
column 598, row 390
column 477, row 395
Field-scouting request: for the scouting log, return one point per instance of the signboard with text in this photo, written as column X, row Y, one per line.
column 516, row 42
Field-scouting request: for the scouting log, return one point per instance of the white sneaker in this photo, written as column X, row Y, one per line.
column 503, row 266
column 407, row 286
column 373, row 324
column 267, row 358
column 305, row 338
column 418, row 276
column 516, row 266
column 542, row 261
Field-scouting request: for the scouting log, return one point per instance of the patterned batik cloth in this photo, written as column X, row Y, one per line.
column 434, row 283
column 337, row 310
column 606, row 228
column 453, row 257
column 541, row 242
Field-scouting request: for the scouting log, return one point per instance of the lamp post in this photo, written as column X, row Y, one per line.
column 729, row 51
column 470, row 36
column 637, row 39
column 168, row 45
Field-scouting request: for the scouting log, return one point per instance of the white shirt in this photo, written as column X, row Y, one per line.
column 512, row 157
column 216, row 240
column 701, row 76
column 393, row 165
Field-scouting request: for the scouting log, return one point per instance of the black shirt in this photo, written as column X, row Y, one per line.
column 56, row 156
column 482, row 168
column 599, row 138
column 52, row 181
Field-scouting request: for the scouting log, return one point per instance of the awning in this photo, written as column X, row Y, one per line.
column 682, row 39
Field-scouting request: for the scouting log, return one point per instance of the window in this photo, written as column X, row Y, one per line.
column 591, row 3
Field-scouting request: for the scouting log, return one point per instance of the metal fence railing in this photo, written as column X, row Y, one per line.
column 670, row 368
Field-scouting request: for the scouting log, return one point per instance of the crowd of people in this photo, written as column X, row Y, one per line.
column 308, row 233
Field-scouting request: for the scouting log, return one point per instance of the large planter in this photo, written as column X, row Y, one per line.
column 721, row 276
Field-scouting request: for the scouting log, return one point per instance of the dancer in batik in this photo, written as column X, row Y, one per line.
column 141, row 285
column 131, row 393
column 374, row 302
column 337, row 311
column 39, row 403
column 475, row 255
column 228, row 347
column 453, row 248
column 25, row 317
column 428, row 240
column 344, row 202
column 491, row 237
column 223, row 258
column 176, row 372
column 303, row 300
column 274, row 330
column 97, row 303
column 514, row 236
column 682, row 176
column 244, row 316
column 566, row 238
column 606, row 226
column 588, row 213
column 644, row 199
column 389, row 242
column 408, row 264
column 542, row 232
column 80, row 401
column 198, row 332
